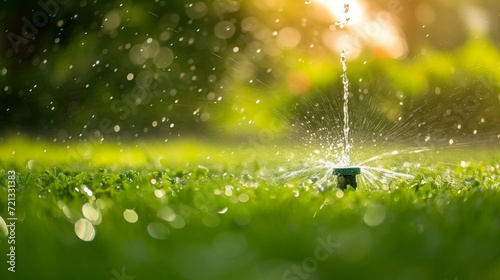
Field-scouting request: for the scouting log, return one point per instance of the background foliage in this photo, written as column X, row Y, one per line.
column 127, row 69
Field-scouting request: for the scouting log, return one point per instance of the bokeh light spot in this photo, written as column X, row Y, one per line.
column 224, row 29
column 130, row 216
column 85, row 230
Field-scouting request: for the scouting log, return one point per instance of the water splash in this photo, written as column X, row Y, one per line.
column 345, row 159
column 318, row 172
column 393, row 153
column 338, row 153
column 386, row 172
column 343, row 22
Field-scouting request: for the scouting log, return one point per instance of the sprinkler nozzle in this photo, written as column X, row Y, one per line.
column 346, row 176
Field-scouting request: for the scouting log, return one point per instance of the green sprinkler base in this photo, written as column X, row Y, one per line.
column 346, row 176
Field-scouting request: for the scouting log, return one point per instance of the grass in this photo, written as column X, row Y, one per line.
column 190, row 210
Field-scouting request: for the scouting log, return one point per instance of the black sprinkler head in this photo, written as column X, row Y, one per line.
column 346, row 176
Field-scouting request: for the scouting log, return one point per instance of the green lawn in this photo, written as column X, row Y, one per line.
column 192, row 210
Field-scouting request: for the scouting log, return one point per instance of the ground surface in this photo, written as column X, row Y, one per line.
column 194, row 211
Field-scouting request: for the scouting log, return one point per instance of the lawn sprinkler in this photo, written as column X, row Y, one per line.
column 346, row 176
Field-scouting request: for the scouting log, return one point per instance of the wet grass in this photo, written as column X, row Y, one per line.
column 190, row 210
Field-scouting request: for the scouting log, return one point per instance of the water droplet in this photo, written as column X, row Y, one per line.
column 223, row 211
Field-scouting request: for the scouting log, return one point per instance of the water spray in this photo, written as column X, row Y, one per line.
column 346, row 176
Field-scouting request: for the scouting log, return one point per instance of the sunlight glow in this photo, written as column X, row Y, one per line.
column 379, row 31
column 355, row 13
